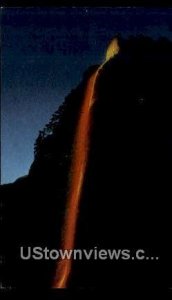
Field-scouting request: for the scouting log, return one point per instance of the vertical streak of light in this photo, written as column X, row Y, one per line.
column 77, row 172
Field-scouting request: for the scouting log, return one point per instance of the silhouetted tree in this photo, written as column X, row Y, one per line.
column 128, row 171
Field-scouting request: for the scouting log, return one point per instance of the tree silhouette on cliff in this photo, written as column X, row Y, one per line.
column 129, row 169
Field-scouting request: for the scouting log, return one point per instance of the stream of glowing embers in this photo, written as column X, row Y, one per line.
column 77, row 172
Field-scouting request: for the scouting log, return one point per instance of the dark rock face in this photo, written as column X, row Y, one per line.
column 127, row 188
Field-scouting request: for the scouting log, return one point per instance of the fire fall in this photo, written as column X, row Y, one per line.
column 77, row 172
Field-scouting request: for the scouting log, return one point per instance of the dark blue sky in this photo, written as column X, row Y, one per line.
column 44, row 54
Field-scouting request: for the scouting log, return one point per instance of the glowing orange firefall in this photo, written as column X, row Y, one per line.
column 77, row 172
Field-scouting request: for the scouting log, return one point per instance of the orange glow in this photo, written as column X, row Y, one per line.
column 77, row 172
column 79, row 161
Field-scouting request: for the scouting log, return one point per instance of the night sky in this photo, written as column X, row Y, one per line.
column 44, row 54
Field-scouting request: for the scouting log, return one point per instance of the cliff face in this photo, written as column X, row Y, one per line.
column 127, row 184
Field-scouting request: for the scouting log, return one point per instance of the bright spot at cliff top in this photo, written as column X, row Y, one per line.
column 113, row 49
